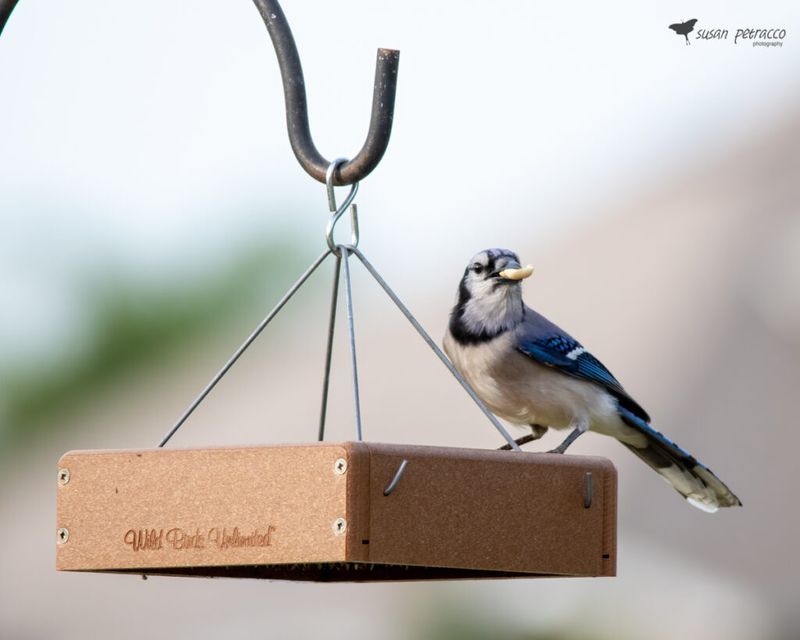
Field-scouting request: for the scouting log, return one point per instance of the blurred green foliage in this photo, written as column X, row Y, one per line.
column 451, row 621
column 134, row 325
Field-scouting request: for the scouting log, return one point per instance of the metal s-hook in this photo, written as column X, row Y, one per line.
column 380, row 125
column 339, row 211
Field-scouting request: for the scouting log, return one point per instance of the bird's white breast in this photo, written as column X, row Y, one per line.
column 522, row 391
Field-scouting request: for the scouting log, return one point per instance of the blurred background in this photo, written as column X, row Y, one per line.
column 152, row 212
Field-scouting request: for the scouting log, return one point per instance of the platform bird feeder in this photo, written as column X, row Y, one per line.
column 353, row 511
column 329, row 512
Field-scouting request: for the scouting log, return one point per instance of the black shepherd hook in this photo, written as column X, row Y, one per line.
column 294, row 88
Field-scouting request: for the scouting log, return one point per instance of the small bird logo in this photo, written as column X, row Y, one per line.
column 684, row 28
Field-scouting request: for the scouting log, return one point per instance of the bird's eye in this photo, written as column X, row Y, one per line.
column 477, row 267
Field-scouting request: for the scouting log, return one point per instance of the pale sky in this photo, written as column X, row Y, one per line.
column 154, row 138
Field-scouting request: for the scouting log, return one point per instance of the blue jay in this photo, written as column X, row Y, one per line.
column 530, row 372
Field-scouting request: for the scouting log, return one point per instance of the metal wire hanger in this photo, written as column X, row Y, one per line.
column 341, row 253
column 338, row 172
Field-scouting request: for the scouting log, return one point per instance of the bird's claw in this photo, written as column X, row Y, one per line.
column 537, row 431
column 519, row 442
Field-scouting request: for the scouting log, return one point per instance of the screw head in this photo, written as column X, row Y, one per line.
column 339, row 526
column 340, row 466
column 63, row 476
column 62, row 535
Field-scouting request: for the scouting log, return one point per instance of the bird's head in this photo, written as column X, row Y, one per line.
column 489, row 295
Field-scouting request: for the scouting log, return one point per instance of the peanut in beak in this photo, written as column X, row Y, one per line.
column 516, row 274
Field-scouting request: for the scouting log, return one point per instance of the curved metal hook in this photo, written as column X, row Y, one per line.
column 396, row 479
column 294, row 89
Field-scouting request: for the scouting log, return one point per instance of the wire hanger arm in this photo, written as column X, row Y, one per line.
column 294, row 89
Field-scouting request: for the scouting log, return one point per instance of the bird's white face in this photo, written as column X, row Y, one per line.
column 489, row 296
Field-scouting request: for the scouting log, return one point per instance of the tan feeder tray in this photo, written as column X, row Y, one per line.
column 320, row 512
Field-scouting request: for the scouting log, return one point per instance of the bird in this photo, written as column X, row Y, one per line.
column 530, row 372
column 684, row 28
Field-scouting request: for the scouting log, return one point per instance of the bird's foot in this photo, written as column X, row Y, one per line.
column 569, row 439
column 519, row 442
column 537, row 431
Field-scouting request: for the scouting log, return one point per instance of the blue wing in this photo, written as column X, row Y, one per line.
column 566, row 354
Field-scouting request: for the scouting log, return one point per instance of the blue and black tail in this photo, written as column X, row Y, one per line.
column 692, row 479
